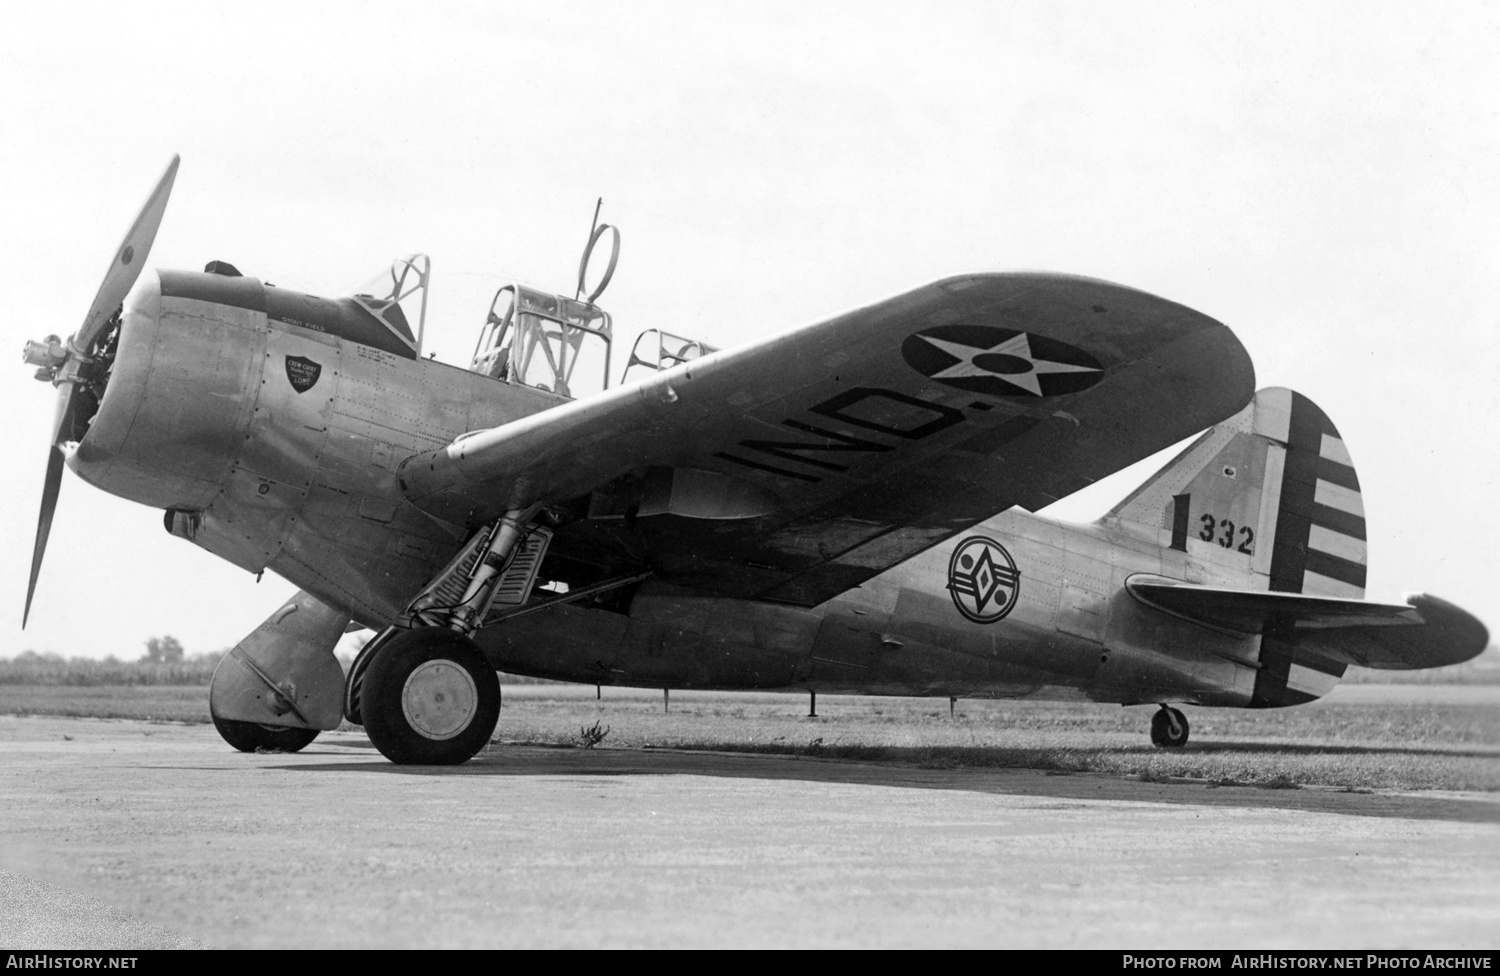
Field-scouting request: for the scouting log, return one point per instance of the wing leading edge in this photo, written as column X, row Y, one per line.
column 1426, row 632
column 867, row 438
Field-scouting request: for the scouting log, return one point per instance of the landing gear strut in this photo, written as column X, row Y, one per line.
column 1169, row 728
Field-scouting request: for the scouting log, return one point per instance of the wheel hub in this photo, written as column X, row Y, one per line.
column 439, row 699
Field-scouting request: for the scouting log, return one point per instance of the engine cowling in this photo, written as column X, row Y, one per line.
column 178, row 402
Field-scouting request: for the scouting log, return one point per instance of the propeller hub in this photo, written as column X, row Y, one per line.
column 49, row 354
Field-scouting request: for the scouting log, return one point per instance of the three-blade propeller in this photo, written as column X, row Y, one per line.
column 124, row 269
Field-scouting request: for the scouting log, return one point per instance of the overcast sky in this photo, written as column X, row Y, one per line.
column 1320, row 177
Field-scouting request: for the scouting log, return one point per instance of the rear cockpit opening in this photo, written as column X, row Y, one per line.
column 655, row 350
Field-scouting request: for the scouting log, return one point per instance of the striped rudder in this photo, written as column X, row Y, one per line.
column 1319, row 545
column 1290, row 675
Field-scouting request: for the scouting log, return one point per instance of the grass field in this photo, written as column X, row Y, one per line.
column 1361, row 737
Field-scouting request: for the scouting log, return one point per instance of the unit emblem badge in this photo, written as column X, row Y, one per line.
column 1000, row 362
column 983, row 580
column 302, row 372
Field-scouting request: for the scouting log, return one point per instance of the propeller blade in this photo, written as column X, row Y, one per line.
column 128, row 260
column 50, row 488
column 62, row 420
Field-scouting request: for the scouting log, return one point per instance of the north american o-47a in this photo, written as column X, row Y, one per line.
column 844, row 508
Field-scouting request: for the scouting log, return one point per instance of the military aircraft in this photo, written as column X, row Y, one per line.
column 845, row 507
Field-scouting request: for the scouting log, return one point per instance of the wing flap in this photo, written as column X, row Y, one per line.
column 1425, row 632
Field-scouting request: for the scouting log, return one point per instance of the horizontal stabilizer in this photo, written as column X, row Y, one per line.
column 1425, row 632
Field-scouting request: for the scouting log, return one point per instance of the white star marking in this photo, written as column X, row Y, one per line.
column 1018, row 346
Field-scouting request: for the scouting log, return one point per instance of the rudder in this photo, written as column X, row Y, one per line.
column 1319, row 546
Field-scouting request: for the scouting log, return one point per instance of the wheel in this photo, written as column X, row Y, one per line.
column 429, row 698
column 1169, row 728
column 254, row 737
column 355, row 679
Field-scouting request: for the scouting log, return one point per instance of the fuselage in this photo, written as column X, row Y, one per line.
column 1061, row 626
column 273, row 441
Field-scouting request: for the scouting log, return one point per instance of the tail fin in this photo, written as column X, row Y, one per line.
column 1269, row 497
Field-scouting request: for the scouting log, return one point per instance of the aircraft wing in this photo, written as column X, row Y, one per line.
column 1425, row 632
column 801, row 465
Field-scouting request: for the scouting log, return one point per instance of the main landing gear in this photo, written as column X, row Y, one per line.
column 425, row 692
column 1169, row 728
column 429, row 697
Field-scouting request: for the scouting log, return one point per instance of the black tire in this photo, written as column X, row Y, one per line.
column 1169, row 728
column 443, row 719
column 254, row 737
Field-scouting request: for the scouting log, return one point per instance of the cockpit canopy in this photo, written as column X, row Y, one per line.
column 529, row 338
column 536, row 339
column 383, row 294
column 656, row 350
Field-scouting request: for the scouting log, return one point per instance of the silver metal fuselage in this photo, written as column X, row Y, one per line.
column 300, row 478
column 1073, row 633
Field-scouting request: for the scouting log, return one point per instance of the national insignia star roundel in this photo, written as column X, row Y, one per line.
column 1000, row 362
column 983, row 580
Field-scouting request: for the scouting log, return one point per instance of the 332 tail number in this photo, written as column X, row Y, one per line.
column 1222, row 531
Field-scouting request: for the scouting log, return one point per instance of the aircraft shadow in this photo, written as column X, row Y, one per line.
column 915, row 754
column 894, row 770
column 1312, row 749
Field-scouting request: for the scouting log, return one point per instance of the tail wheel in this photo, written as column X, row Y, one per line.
column 254, row 737
column 429, row 697
column 1169, row 728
